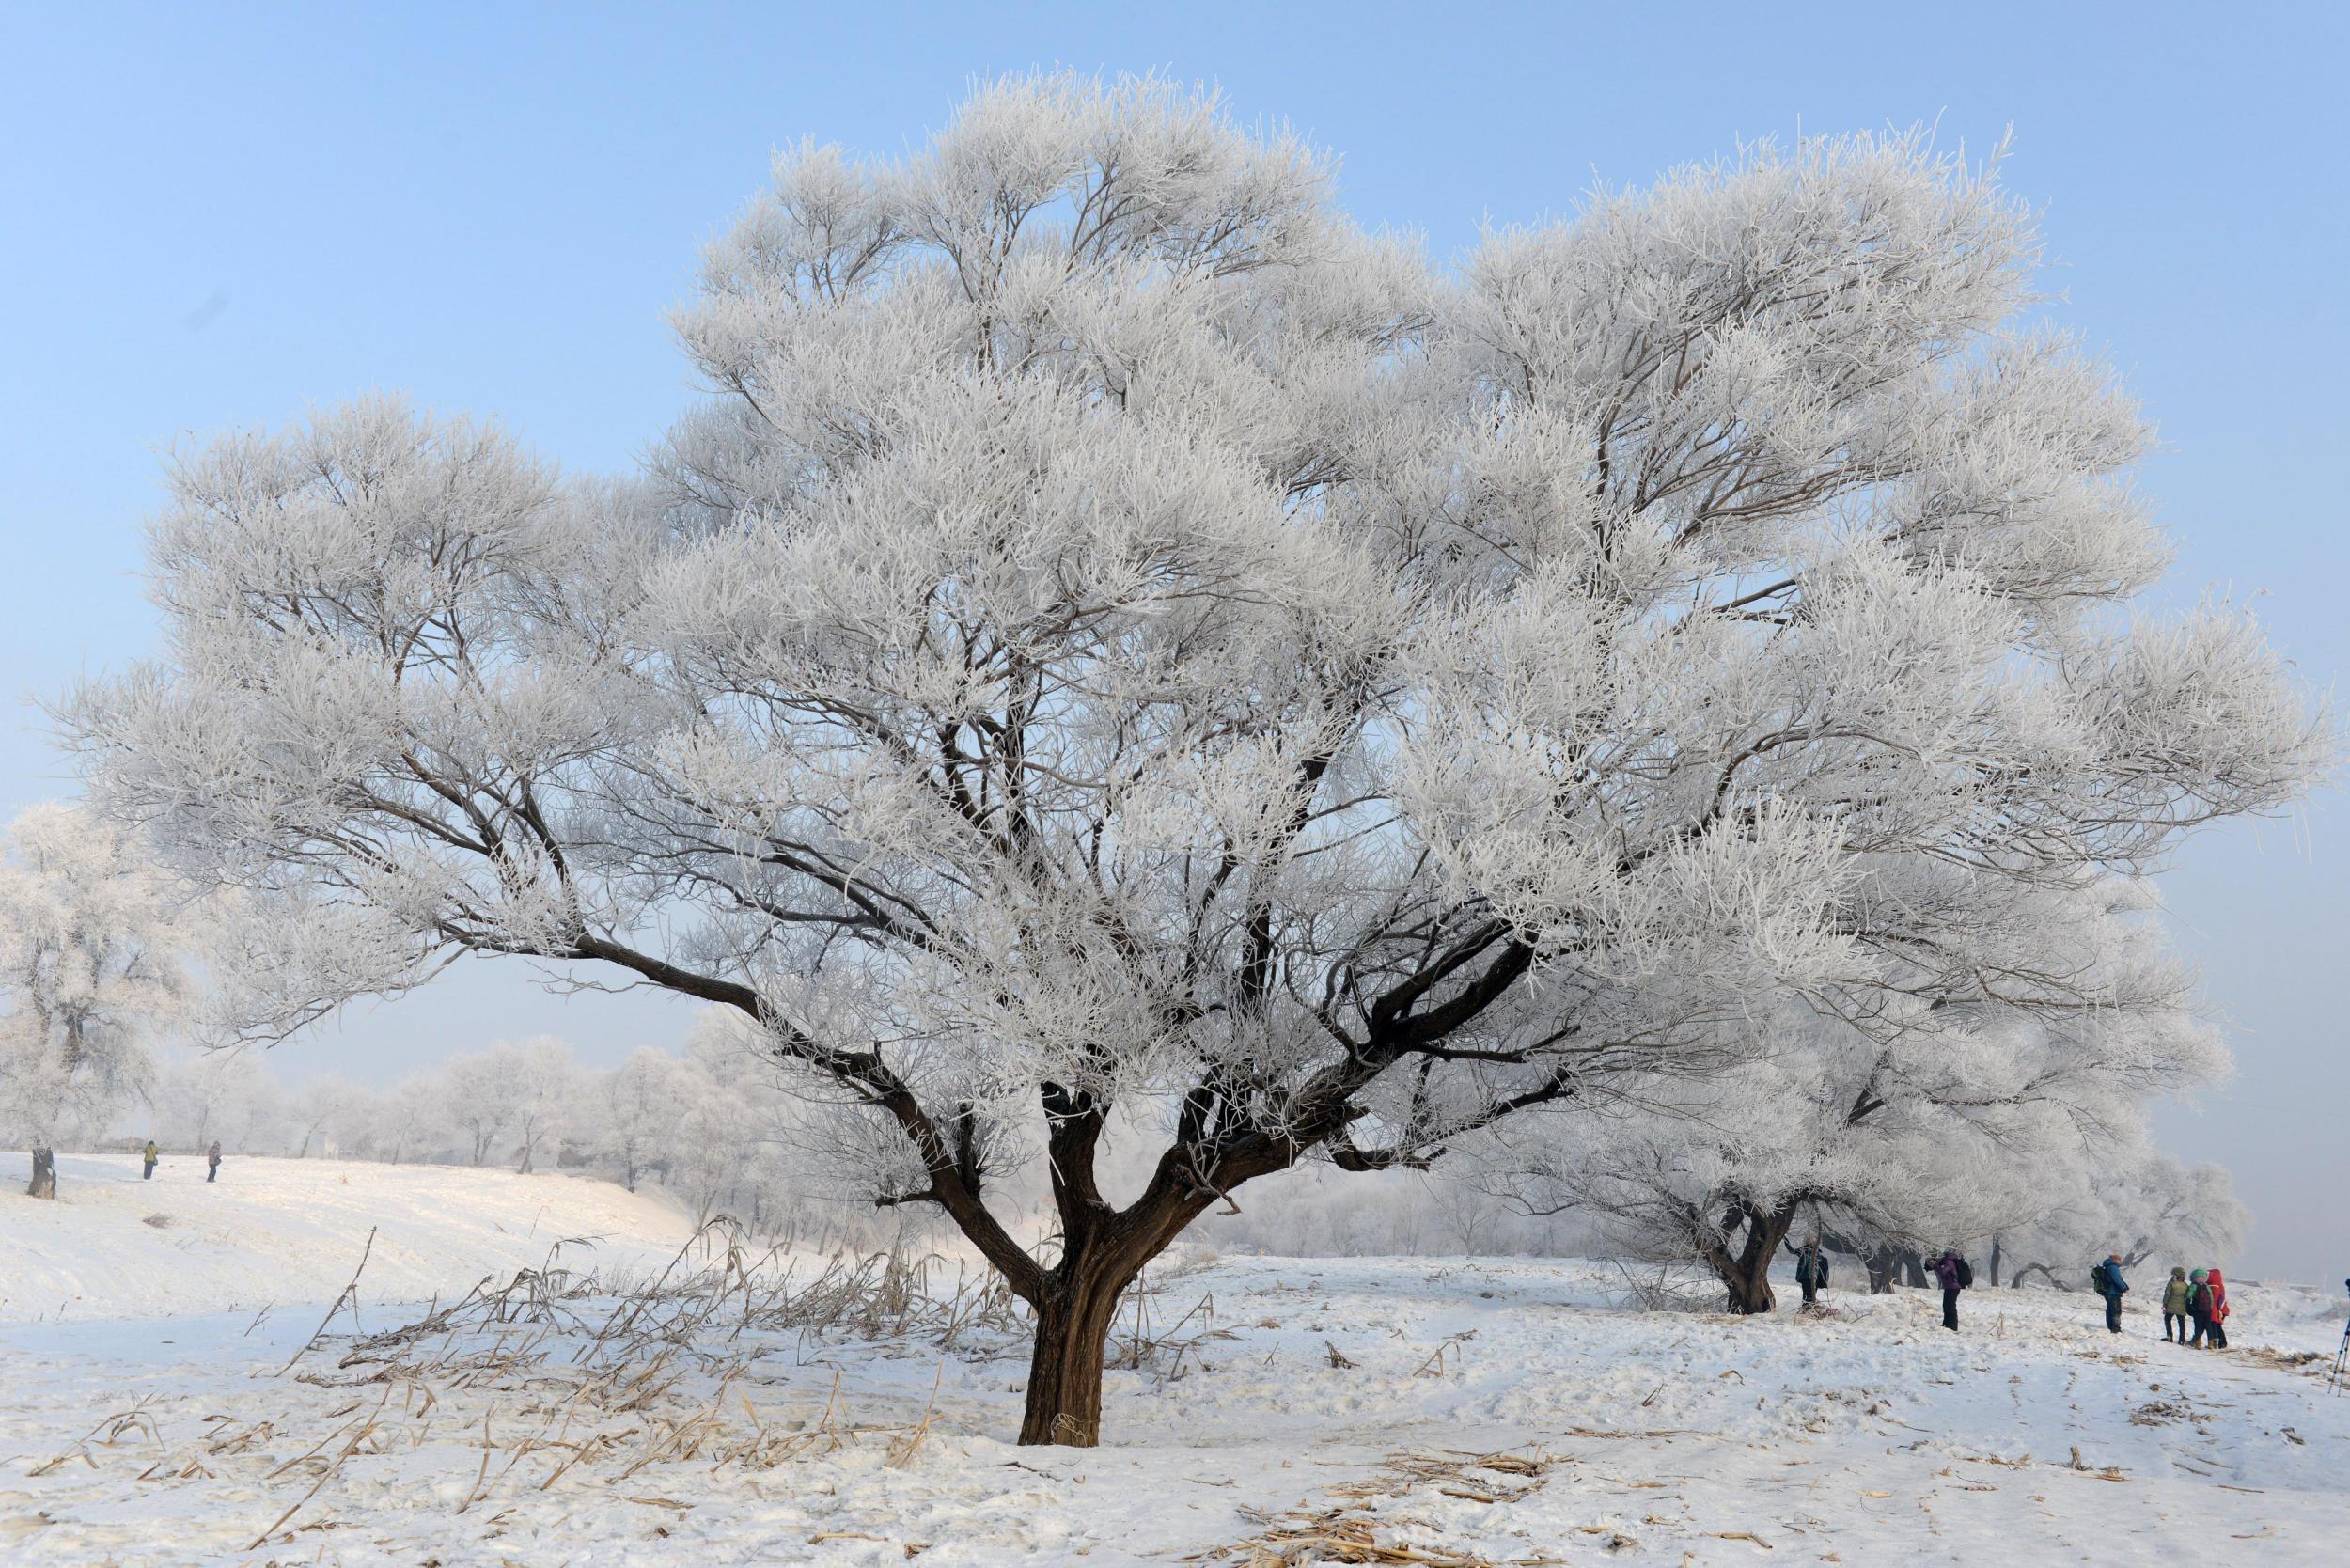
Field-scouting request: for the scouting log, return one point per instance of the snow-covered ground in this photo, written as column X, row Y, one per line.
column 1401, row 1410
column 292, row 1231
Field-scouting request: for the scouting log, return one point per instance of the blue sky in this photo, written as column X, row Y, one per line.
column 214, row 216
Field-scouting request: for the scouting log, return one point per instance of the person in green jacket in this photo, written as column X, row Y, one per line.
column 150, row 1154
column 2198, row 1305
column 2174, row 1296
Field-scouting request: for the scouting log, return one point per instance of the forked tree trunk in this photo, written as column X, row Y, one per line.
column 1747, row 1273
column 1072, row 1329
column 44, row 1183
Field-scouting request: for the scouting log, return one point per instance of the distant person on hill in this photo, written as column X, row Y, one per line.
column 2174, row 1295
column 211, row 1162
column 1951, row 1273
column 2217, row 1308
column 150, row 1154
column 2107, row 1277
column 1811, row 1270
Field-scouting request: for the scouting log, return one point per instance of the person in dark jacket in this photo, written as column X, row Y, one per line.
column 150, row 1154
column 1811, row 1270
column 1950, row 1273
column 2107, row 1277
column 2198, row 1305
column 211, row 1162
column 2174, row 1296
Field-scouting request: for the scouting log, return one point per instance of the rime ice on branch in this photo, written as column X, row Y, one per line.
column 1120, row 639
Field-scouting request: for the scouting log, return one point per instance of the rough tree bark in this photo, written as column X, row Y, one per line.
column 1745, row 1274
column 44, row 1183
column 1073, row 1328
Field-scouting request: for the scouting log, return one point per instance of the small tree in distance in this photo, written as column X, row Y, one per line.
column 1125, row 647
column 90, row 944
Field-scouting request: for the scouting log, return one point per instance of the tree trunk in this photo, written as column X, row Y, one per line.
column 1072, row 1330
column 1995, row 1262
column 44, row 1183
column 1881, row 1266
column 1913, row 1269
column 1746, row 1275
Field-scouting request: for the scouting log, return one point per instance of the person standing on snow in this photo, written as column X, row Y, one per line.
column 150, row 1154
column 2216, row 1307
column 1811, row 1270
column 2107, row 1277
column 2175, row 1300
column 1951, row 1273
column 2199, row 1303
column 211, row 1162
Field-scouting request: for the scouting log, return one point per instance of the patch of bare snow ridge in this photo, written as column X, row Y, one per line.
column 1263, row 1412
column 113, row 1244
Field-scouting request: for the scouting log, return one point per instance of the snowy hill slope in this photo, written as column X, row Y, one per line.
column 292, row 1230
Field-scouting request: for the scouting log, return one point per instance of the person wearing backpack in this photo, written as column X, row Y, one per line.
column 2217, row 1308
column 1812, row 1271
column 1951, row 1273
column 2174, row 1299
column 2107, row 1277
column 2198, row 1305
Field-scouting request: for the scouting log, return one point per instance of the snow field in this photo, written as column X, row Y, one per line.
column 292, row 1231
column 1276, row 1411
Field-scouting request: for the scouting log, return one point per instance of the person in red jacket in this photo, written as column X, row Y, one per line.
column 2216, row 1303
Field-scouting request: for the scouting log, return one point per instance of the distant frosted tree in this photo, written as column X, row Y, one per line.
column 478, row 1102
column 91, row 937
column 640, row 1107
column 1123, row 642
column 2140, row 1203
column 1980, row 1096
column 222, row 1096
column 407, row 1121
column 510, row 1095
column 323, row 1104
column 545, row 1084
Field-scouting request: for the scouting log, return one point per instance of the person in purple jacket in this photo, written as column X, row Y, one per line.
column 1951, row 1273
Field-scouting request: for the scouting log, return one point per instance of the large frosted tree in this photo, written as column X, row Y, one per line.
column 1123, row 646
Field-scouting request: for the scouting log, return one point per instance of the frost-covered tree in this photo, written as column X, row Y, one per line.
column 223, row 1096
column 517, row 1091
column 1124, row 643
column 640, row 1108
column 477, row 1103
column 543, row 1083
column 322, row 1105
column 1938, row 1105
column 407, row 1121
column 2138, row 1202
column 91, row 937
